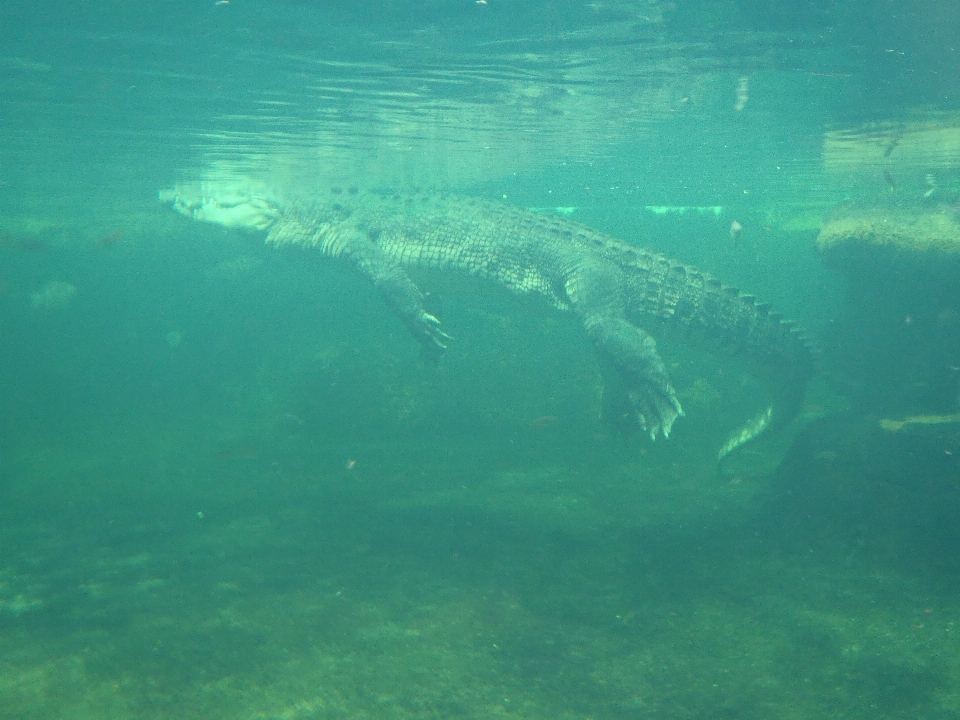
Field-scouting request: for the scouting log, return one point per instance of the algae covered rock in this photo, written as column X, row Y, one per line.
column 924, row 238
column 896, row 339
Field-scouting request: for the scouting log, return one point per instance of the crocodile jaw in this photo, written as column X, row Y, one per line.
column 249, row 212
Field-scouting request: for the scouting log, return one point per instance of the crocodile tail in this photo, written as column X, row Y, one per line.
column 758, row 446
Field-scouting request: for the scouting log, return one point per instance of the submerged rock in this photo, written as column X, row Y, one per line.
column 915, row 237
column 897, row 338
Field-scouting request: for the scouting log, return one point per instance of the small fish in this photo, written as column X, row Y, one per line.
column 736, row 230
column 110, row 239
column 543, row 421
column 889, row 178
column 242, row 453
column 32, row 244
column 24, row 243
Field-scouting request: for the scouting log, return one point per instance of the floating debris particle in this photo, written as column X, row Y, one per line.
column 891, row 147
column 736, row 230
column 743, row 93
column 233, row 268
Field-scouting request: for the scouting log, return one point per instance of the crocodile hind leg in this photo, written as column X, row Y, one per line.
column 633, row 354
column 595, row 292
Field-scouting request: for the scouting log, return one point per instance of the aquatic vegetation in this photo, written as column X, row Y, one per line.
column 52, row 295
column 897, row 425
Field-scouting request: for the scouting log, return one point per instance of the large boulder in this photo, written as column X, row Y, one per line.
column 921, row 239
column 897, row 339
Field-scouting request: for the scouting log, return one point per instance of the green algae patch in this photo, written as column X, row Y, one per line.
column 802, row 222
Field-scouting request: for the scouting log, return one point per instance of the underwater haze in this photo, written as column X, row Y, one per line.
column 232, row 486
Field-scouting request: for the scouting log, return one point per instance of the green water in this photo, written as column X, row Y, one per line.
column 231, row 487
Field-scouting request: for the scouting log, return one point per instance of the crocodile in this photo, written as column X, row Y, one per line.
column 615, row 288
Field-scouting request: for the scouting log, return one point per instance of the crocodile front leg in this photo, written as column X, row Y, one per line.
column 398, row 290
column 353, row 245
column 595, row 292
column 400, row 293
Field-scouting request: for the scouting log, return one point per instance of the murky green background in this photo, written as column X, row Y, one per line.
column 231, row 488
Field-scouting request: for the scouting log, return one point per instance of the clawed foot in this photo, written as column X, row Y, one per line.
column 656, row 408
column 430, row 334
column 643, row 380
